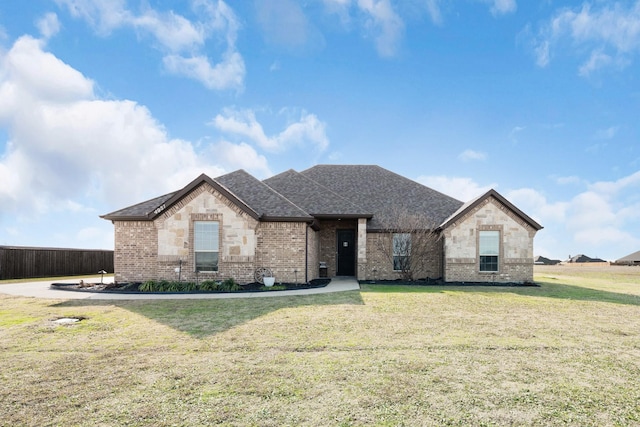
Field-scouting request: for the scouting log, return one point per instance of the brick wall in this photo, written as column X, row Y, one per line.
column 327, row 242
column 136, row 251
column 281, row 248
column 379, row 266
column 515, row 261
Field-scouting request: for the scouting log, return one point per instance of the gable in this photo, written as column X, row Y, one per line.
column 491, row 195
column 205, row 203
column 243, row 190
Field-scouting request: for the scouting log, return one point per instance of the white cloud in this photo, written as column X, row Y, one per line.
column 66, row 145
column 384, row 24
column 471, row 155
column 463, row 189
column 48, row 25
column 184, row 42
column 242, row 156
column 284, row 23
column 501, row 7
column 379, row 20
column 610, row 32
column 433, row 8
column 308, row 129
column 228, row 73
column 600, row 221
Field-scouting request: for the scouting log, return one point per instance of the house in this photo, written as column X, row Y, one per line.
column 581, row 259
column 631, row 259
column 540, row 260
column 343, row 216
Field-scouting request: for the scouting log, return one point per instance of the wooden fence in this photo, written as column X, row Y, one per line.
column 23, row 263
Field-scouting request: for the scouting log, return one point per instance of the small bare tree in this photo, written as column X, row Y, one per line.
column 410, row 243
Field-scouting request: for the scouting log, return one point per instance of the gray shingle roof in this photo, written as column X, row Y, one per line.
column 140, row 211
column 314, row 198
column 267, row 202
column 251, row 194
column 382, row 192
column 322, row 191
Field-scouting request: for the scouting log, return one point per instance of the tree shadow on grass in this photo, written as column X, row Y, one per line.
column 543, row 289
column 205, row 317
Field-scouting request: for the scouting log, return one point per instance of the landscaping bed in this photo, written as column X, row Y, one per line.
column 440, row 282
column 186, row 287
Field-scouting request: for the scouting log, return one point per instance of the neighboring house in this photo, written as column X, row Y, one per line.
column 343, row 216
column 581, row 259
column 631, row 259
column 540, row 260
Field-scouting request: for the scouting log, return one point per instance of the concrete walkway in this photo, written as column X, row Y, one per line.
column 42, row 290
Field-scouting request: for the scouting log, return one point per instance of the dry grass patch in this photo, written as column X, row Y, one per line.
column 558, row 354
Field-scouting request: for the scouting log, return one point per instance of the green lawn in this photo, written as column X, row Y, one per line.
column 564, row 353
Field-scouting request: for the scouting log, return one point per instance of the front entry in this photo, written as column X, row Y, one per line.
column 346, row 262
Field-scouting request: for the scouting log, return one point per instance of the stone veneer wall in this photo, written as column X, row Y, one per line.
column 237, row 236
column 380, row 267
column 515, row 261
column 313, row 248
column 281, row 248
column 136, row 251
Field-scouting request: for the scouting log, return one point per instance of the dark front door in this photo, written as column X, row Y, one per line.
column 346, row 253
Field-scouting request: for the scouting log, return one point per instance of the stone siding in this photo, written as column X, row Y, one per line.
column 313, row 248
column 515, row 262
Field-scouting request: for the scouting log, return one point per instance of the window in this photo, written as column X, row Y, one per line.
column 205, row 236
column 401, row 251
column 489, row 250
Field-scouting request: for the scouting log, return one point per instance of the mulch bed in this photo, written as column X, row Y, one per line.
column 440, row 282
column 132, row 288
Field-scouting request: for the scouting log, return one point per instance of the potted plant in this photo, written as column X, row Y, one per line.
column 263, row 275
column 269, row 281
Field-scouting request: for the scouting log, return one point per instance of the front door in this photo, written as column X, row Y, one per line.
column 346, row 261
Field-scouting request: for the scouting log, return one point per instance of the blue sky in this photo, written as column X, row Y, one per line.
column 106, row 104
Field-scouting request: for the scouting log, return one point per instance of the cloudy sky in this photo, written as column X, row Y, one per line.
column 106, row 104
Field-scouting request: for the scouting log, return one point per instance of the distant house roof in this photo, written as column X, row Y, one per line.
column 633, row 258
column 540, row 260
column 475, row 202
column 583, row 258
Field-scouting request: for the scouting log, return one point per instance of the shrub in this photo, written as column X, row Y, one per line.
column 230, row 285
column 148, row 286
column 209, row 285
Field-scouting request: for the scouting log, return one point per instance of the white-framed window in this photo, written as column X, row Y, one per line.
column 401, row 251
column 206, row 245
column 489, row 250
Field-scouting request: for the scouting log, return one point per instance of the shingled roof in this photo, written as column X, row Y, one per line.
column 314, row 198
column 382, row 192
column 253, row 196
column 324, row 191
column 267, row 202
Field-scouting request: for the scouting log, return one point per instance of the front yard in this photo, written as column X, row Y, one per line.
column 564, row 353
